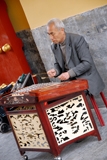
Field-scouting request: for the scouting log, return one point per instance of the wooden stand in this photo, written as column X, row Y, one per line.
column 50, row 118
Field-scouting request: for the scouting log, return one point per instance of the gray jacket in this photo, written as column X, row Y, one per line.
column 78, row 60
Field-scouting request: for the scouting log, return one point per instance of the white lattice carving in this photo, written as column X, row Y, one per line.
column 70, row 119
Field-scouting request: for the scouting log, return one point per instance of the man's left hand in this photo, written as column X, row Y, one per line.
column 64, row 76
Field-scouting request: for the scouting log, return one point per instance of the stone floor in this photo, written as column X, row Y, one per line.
column 89, row 149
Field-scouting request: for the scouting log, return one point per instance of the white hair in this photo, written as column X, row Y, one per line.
column 58, row 23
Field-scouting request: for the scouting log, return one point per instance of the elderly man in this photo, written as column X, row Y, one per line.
column 73, row 59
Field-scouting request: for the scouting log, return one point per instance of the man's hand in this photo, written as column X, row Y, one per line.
column 64, row 76
column 51, row 73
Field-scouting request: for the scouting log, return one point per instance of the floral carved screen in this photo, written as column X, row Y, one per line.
column 29, row 131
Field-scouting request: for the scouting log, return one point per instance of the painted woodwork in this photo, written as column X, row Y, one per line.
column 12, row 59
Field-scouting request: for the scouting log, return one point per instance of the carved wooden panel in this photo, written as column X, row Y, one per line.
column 70, row 119
column 29, row 131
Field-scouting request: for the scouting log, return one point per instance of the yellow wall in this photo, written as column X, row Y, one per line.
column 38, row 12
column 16, row 15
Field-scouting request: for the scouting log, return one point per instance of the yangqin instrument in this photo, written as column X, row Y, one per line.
column 47, row 117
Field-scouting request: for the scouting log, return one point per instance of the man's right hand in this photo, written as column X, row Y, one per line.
column 51, row 73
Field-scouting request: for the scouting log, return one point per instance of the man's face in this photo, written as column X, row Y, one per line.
column 56, row 35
